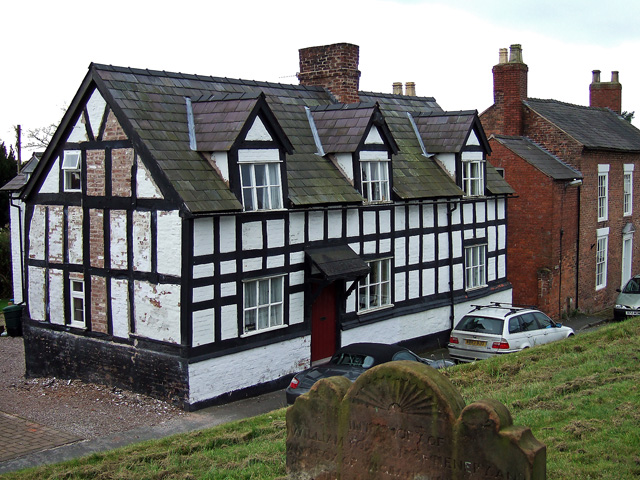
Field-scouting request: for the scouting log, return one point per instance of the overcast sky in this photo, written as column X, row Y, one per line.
column 446, row 47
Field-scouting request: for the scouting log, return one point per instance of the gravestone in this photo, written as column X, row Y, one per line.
column 405, row 420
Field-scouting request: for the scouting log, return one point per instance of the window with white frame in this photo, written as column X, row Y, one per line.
column 473, row 177
column 475, row 266
column 71, row 169
column 627, row 185
column 263, row 304
column 77, row 303
column 602, row 245
column 374, row 171
column 603, row 192
column 260, row 179
column 375, row 290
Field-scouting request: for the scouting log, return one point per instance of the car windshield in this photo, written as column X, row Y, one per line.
column 352, row 359
column 472, row 323
column 632, row 286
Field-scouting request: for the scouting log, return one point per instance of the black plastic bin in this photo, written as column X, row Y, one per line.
column 13, row 320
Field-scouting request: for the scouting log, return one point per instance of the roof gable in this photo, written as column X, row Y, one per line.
column 594, row 128
column 538, row 157
column 450, row 132
column 345, row 128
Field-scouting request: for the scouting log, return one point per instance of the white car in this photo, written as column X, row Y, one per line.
column 499, row 328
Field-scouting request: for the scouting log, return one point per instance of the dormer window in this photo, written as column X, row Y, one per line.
column 473, row 166
column 260, row 179
column 374, row 170
column 71, row 169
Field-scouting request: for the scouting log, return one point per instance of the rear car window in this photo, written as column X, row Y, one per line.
column 352, row 359
column 477, row 324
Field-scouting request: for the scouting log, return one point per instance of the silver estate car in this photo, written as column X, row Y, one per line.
column 499, row 328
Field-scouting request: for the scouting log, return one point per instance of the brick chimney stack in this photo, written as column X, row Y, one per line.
column 334, row 67
column 606, row 94
column 509, row 90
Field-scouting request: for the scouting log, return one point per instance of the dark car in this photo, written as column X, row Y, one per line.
column 628, row 302
column 352, row 361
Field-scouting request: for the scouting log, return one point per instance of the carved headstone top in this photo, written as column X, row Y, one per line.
column 405, row 420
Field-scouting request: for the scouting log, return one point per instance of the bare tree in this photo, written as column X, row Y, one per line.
column 39, row 138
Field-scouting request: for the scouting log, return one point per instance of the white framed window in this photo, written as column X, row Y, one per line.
column 71, row 169
column 602, row 246
column 263, row 304
column 603, row 192
column 260, row 179
column 374, row 176
column 475, row 266
column 76, row 289
column 473, row 177
column 375, row 291
column 627, row 185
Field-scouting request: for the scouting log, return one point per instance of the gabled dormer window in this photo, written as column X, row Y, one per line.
column 260, row 179
column 374, row 175
column 71, row 169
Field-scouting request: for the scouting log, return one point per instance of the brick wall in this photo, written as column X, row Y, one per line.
column 113, row 130
column 509, row 90
column 96, row 240
column 334, row 67
column 64, row 355
column 541, row 259
column 121, row 165
column 99, row 305
column 95, row 173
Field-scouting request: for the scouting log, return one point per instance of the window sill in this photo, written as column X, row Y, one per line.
column 263, row 330
column 471, row 289
column 375, row 309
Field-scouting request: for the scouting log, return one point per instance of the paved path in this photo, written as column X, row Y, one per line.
column 21, row 437
column 33, row 445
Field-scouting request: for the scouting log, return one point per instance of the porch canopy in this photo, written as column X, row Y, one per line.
column 336, row 262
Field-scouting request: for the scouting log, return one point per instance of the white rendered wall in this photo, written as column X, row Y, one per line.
column 16, row 214
column 36, row 233
column 145, row 186
column 169, row 243
column 36, row 293
column 217, row 376
column 157, row 311
column 51, row 183
column 120, row 309
column 56, row 298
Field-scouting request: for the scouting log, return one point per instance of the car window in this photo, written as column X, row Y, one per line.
column 404, row 355
column 528, row 322
column 473, row 323
column 632, row 286
column 514, row 325
column 543, row 320
column 351, row 359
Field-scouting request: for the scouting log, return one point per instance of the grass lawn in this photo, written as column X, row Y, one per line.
column 580, row 397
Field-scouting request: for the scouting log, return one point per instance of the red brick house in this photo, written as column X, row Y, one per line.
column 572, row 227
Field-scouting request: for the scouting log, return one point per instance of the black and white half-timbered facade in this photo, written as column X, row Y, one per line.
column 200, row 239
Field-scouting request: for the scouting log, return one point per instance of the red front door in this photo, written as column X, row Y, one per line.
column 323, row 324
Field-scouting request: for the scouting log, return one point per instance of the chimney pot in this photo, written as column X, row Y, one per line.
column 410, row 89
column 615, row 77
column 596, row 76
column 515, row 54
column 503, row 56
column 397, row 88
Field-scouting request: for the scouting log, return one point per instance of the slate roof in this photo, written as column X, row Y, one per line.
column 20, row 180
column 540, row 158
column 445, row 132
column 341, row 127
column 594, row 128
column 218, row 121
column 152, row 106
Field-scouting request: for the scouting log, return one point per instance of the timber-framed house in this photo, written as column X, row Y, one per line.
column 201, row 239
